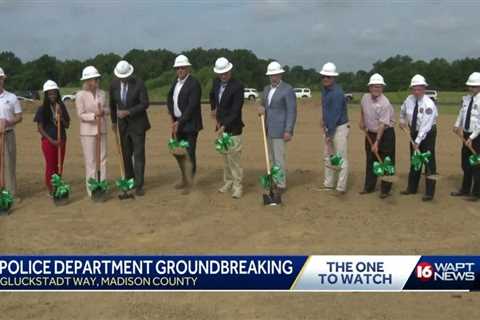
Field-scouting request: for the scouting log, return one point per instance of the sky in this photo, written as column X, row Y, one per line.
column 353, row 34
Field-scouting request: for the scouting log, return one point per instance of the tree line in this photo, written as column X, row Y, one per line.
column 155, row 67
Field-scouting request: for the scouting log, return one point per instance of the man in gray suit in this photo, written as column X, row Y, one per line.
column 279, row 104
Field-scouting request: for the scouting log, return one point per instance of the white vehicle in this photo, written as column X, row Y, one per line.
column 69, row 97
column 250, row 94
column 349, row 96
column 433, row 94
column 302, row 92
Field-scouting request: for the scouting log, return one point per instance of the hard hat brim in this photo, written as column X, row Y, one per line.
column 376, row 82
column 94, row 76
column 183, row 64
column 328, row 74
column 271, row 73
column 224, row 70
column 472, row 84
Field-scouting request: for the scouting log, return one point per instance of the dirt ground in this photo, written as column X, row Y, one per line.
column 310, row 222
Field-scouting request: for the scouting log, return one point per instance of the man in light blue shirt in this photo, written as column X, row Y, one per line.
column 336, row 128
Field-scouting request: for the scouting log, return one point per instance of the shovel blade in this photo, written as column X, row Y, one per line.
column 125, row 196
column 99, row 196
column 272, row 199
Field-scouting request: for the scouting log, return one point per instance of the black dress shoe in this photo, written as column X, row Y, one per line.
column 473, row 198
column 427, row 198
column 459, row 193
column 140, row 192
column 406, row 192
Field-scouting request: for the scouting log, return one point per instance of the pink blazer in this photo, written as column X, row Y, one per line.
column 87, row 105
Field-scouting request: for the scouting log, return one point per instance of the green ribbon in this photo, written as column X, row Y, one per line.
column 474, row 159
column 174, row 144
column 94, row 184
column 6, row 199
column 223, row 143
column 384, row 169
column 276, row 175
column 61, row 189
column 336, row 160
column 125, row 184
column 419, row 158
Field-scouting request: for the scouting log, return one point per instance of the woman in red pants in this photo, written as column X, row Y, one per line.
column 47, row 126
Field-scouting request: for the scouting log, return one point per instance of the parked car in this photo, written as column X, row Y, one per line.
column 69, row 97
column 349, row 96
column 302, row 92
column 250, row 94
column 28, row 95
column 433, row 94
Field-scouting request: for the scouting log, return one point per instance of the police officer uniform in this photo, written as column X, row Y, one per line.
column 468, row 122
column 420, row 114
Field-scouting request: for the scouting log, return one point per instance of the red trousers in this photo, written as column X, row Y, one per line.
column 50, row 152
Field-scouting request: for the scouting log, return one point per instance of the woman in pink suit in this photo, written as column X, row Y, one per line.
column 90, row 104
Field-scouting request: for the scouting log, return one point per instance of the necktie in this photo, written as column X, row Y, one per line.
column 468, row 116
column 124, row 94
column 222, row 89
column 414, row 117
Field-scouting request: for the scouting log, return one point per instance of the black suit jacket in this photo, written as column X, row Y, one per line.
column 229, row 108
column 189, row 103
column 137, row 104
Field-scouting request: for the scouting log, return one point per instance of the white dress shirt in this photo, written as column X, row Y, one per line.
column 9, row 107
column 474, row 116
column 176, row 110
column 271, row 93
column 426, row 116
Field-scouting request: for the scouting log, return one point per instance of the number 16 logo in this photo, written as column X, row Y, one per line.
column 424, row 271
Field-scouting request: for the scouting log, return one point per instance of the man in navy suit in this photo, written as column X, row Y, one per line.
column 226, row 100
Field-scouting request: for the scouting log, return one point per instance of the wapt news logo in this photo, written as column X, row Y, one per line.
column 445, row 273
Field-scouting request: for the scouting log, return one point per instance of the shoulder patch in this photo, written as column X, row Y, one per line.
column 429, row 111
column 420, row 110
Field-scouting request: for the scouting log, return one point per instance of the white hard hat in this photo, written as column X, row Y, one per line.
column 123, row 69
column 376, row 78
column 2, row 73
column 274, row 68
column 418, row 80
column 222, row 65
column 329, row 69
column 50, row 85
column 181, row 61
column 473, row 80
column 90, row 72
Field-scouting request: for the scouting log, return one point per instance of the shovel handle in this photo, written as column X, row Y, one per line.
column 2, row 159
column 370, row 142
column 265, row 145
column 98, row 146
column 59, row 140
column 465, row 143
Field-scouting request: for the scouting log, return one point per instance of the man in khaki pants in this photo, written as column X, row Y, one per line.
column 10, row 115
column 226, row 100
column 336, row 127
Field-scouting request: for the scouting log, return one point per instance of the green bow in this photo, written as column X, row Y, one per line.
column 474, row 159
column 419, row 158
column 336, row 160
column 125, row 184
column 276, row 175
column 94, row 184
column 174, row 144
column 384, row 169
column 61, row 189
column 223, row 143
column 6, row 199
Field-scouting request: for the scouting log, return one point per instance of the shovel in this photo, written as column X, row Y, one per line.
column 428, row 176
column 271, row 198
column 99, row 187
column 6, row 198
column 123, row 184
column 379, row 159
column 61, row 191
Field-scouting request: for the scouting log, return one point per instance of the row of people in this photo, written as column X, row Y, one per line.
column 128, row 103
